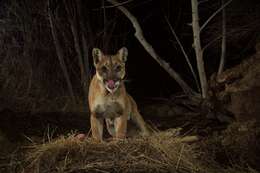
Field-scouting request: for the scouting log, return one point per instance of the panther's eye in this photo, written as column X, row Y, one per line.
column 118, row 68
column 104, row 69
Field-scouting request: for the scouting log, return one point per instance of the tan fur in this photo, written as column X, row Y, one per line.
column 114, row 106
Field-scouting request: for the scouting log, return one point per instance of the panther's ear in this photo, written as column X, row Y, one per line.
column 97, row 55
column 123, row 53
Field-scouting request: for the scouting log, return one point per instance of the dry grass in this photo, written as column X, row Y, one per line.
column 162, row 152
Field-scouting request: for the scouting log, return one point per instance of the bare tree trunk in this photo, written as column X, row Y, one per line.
column 223, row 45
column 198, row 50
column 139, row 35
column 60, row 54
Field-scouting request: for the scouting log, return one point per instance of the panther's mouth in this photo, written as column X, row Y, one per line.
column 112, row 85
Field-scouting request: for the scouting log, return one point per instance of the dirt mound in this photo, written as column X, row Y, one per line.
column 239, row 88
column 231, row 151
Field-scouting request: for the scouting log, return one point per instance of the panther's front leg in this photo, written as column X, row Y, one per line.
column 97, row 123
column 97, row 128
column 120, row 127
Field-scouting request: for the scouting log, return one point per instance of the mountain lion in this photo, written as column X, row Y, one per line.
column 108, row 99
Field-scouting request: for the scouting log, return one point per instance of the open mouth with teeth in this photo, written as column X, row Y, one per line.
column 112, row 85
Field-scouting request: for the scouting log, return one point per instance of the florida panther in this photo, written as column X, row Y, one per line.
column 108, row 99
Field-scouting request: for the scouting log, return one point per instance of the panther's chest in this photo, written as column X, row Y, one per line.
column 108, row 107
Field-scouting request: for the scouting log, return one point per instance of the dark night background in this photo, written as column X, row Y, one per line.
column 46, row 48
column 152, row 80
column 109, row 30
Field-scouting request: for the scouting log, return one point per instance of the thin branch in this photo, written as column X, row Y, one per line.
column 217, row 38
column 139, row 35
column 211, row 42
column 202, row 1
column 230, row 33
column 223, row 45
column 183, row 51
column 113, row 6
column 118, row 4
column 214, row 14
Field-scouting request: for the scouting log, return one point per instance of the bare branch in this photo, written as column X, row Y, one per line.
column 231, row 33
column 118, row 4
column 151, row 51
column 202, row 1
column 184, row 53
column 214, row 14
column 223, row 45
column 211, row 42
column 113, row 6
column 198, row 50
